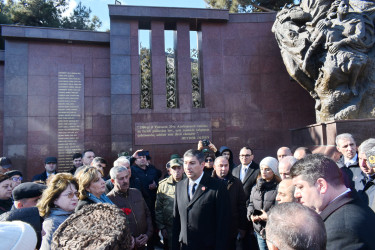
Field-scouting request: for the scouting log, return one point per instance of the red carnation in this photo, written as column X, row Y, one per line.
column 126, row 210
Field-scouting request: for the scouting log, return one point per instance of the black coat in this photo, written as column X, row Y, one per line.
column 349, row 223
column 250, row 178
column 203, row 222
column 237, row 199
column 40, row 177
column 263, row 197
column 82, row 203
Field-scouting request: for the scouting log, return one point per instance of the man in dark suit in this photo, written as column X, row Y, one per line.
column 50, row 164
column 201, row 209
column 319, row 185
column 247, row 172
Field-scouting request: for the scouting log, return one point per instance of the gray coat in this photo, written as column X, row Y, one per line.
column 51, row 223
column 263, row 197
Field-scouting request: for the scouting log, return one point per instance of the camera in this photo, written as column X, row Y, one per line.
column 205, row 142
column 143, row 153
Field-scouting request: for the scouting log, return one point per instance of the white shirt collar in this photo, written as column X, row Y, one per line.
column 353, row 160
column 191, row 182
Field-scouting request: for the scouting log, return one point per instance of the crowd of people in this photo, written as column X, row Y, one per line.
column 294, row 200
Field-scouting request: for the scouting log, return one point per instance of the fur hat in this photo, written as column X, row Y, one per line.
column 272, row 163
column 96, row 226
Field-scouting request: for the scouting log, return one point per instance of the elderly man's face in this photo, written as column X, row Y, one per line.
column 221, row 167
column 363, row 164
column 122, row 181
column 283, row 152
column 285, row 192
column 308, row 195
column 347, row 148
column 176, row 171
column 284, row 170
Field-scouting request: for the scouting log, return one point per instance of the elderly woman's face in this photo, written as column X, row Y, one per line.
column 68, row 199
column 6, row 189
column 97, row 186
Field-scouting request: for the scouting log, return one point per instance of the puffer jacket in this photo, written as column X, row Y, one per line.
column 262, row 197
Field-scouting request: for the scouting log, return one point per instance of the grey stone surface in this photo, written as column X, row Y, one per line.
column 120, row 45
column 120, row 28
column 121, row 104
column 15, row 85
column 121, row 84
column 15, row 105
column 120, row 65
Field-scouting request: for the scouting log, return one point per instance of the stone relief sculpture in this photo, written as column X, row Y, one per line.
column 328, row 48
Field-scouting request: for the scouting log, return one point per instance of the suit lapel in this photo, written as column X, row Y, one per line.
column 201, row 189
column 236, row 171
column 185, row 190
column 249, row 172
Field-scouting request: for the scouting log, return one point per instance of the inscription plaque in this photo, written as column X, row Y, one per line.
column 171, row 133
column 70, row 114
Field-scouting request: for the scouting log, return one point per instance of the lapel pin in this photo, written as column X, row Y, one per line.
column 203, row 188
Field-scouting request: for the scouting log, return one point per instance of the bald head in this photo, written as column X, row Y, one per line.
column 301, row 152
column 285, row 165
column 283, row 152
column 285, row 192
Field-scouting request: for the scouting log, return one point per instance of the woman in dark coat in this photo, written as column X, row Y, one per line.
column 263, row 197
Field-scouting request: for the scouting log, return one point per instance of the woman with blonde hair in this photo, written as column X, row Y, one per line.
column 57, row 203
column 91, row 187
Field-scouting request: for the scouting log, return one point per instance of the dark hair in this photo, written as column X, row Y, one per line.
column 316, row 166
column 96, row 226
column 99, row 160
column 195, row 153
column 77, row 155
column 87, row 150
column 291, row 225
column 247, row 148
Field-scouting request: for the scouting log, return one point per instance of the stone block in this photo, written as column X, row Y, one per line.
column 99, row 51
column 38, row 105
column 101, row 125
column 38, row 85
column 101, row 106
column 16, row 65
column 39, row 123
column 120, row 45
column 15, row 85
column 101, row 67
column 121, row 124
column 101, row 87
column 120, row 28
column 121, row 84
column 120, row 65
column 121, row 104
column 15, row 127
column 18, row 48
column 15, row 105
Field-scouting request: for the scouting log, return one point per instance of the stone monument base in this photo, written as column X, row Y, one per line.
column 320, row 138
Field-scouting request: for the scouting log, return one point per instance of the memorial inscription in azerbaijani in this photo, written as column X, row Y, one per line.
column 70, row 114
column 171, row 133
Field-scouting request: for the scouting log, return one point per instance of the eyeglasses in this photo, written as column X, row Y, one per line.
column 209, row 160
column 246, row 156
column 71, row 195
column 17, row 178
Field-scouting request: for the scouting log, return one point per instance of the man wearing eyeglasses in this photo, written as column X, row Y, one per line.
column 247, row 172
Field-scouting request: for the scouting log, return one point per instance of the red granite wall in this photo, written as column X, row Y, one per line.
column 44, row 59
column 1, row 106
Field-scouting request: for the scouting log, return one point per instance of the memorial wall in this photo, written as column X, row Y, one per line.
column 70, row 90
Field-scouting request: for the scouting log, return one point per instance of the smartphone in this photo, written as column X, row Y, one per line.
column 143, row 153
column 257, row 212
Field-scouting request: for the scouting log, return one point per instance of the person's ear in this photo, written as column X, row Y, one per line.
column 322, row 185
column 18, row 204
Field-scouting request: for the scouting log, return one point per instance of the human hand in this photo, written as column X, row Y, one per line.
column 200, row 145
column 135, row 155
column 141, row 240
column 254, row 218
column 152, row 186
column 212, row 147
column 263, row 216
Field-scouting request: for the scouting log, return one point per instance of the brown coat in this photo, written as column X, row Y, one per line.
column 140, row 217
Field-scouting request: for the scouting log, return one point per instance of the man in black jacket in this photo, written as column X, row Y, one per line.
column 319, row 185
column 238, row 222
column 201, row 209
column 50, row 164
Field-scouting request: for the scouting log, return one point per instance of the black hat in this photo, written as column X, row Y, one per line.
column 50, row 160
column 3, row 177
column 13, row 173
column 5, row 162
column 28, row 190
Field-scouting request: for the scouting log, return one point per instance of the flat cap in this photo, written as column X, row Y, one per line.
column 28, row 190
column 3, row 177
column 13, row 173
column 50, row 159
column 175, row 162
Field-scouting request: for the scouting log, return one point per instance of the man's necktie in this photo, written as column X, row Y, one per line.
column 193, row 191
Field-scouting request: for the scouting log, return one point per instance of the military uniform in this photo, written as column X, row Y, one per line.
column 165, row 204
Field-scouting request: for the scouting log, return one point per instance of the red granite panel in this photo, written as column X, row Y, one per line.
column 38, row 85
column 39, row 123
column 86, row 61
column 101, row 67
column 158, row 74
column 242, row 64
column 52, row 106
column 215, row 102
column 37, row 49
column 101, row 125
column 157, row 38
column 39, row 65
column 160, row 103
column 101, row 106
column 88, row 86
column 183, row 39
column 100, row 51
column 238, row 47
column 101, row 87
column 186, row 102
column 134, row 61
column 212, row 30
column 38, row 106
column 214, row 65
column 133, row 28
column 272, row 120
column 80, row 51
column 135, row 84
column 121, row 124
column 88, row 106
column 60, row 50
column 37, row 138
